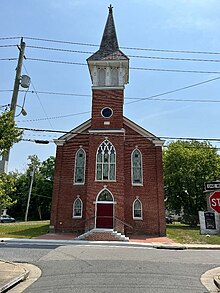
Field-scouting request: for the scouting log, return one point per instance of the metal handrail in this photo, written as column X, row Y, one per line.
column 113, row 218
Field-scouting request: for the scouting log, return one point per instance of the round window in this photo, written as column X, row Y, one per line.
column 107, row 112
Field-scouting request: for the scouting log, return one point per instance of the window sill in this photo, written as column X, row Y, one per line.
column 137, row 184
column 137, row 219
column 75, row 183
column 77, row 217
column 105, row 180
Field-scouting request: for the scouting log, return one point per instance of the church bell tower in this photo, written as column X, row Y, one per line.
column 109, row 71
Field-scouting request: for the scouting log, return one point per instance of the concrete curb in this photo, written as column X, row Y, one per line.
column 217, row 281
column 157, row 245
column 210, row 279
column 14, row 281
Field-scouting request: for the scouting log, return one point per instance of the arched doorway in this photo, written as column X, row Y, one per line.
column 104, row 210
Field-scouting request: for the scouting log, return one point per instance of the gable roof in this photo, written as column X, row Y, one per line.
column 87, row 126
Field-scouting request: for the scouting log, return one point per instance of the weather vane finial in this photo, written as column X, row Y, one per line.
column 110, row 8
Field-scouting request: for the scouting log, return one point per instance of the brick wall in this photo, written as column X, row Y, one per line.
column 107, row 98
column 151, row 194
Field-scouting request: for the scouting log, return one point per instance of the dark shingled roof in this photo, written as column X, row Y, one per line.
column 109, row 49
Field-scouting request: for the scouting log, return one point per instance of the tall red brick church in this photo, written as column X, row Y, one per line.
column 108, row 172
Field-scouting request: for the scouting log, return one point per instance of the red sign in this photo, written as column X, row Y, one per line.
column 214, row 201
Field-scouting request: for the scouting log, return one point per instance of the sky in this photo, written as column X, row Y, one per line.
column 173, row 29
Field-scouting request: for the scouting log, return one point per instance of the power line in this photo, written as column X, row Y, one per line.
column 129, row 135
column 133, row 68
column 129, row 48
column 176, row 90
column 133, row 56
column 55, row 117
column 38, row 98
column 6, row 46
column 9, row 38
column 8, row 59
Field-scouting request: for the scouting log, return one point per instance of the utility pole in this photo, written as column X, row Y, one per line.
column 5, row 157
column 29, row 194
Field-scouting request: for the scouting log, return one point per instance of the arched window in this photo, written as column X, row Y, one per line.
column 101, row 78
column 114, row 76
column 105, row 161
column 79, row 177
column 137, row 209
column 105, row 195
column 136, row 167
column 77, row 208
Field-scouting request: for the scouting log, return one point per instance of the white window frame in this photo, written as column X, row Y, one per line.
column 77, row 217
column 132, row 181
column 133, row 213
column 76, row 156
column 106, row 180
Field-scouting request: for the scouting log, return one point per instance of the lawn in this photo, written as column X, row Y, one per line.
column 24, row 229
column 178, row 232
column 184, row 234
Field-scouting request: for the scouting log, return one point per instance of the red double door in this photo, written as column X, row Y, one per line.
column 104, row 215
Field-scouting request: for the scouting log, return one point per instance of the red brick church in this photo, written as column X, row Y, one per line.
column 108, row 172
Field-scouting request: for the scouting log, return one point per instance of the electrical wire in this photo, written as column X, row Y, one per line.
column 55, row 117
column 39, row 99
column 122, row 47
column 132, row 68
column 133, row 56
column 129, row 135
column 9, row 38
column 8, row 59
column 6, row 46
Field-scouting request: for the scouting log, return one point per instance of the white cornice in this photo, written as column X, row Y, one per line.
column 59, row 142
column 107, row 130
column 108, row 87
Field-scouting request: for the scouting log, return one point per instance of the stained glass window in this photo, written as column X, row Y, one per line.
column 77, row 208
column 137, row 209
column 105, row 161
column 105, row 195
column 136, row 167
column 80, row 167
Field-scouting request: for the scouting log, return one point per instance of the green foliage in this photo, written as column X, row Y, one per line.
column 41, row 194
column 9, row 133
column 187, row 165
column 7, row 187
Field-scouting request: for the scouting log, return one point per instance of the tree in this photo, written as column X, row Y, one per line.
column 7, row 187
column 41, row 194
column 9, row 133
column 187, row 165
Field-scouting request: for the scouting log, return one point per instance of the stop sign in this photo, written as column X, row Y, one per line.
column 214, row 201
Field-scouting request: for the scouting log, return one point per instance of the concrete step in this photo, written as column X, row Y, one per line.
column 102, row 235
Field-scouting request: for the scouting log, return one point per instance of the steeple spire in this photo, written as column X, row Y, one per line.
column 109, row 39
column 109, row 49
column 109, row 66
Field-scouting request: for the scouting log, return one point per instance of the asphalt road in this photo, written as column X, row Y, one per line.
column 104, row 269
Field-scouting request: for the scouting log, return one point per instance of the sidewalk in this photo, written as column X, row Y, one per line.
column 12, row 273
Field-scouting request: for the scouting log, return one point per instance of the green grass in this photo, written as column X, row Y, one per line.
column 184, row 234
column 23, row 229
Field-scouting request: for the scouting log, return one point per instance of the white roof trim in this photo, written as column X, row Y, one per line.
column 79, row 129
column 150, row 136
column 59, row 142
column 87, row 124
